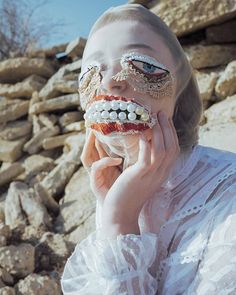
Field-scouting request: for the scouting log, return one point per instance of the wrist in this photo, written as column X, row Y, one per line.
column 112, row 230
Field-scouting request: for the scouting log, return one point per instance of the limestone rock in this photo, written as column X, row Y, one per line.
column 24, row 88
column 220, row 136
column 6, row 277
column 10, row 111
column 36, row 284
column 56, row 141
column 204, row 56
column 14, row 130
column 223, row 33
column 22, row 206
column 222, row 112
column 7, row 291
column 8, row 174
column 18, row 260
column 70, row 117
column 76, row 126
column 5, row 234
column 75, row 48
column 47, row 52
column 78, row 204
column 184, row 16
column 47, row 120
column 58, row 103
column 16, row 69
column 10, row 151
column 206, row 83
column 226, row 85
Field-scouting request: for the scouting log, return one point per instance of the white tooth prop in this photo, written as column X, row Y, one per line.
column 104, row 111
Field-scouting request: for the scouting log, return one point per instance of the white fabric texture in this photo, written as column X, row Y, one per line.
column 187, row 241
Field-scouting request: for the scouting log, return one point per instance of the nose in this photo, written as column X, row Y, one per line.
column 109, row 84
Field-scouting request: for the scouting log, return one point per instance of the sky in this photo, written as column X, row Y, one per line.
column 76, row 15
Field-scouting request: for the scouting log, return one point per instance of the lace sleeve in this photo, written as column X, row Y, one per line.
column 217, row 271
column 111, row 266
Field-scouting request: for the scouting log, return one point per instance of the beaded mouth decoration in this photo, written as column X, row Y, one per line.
column 116, row 114
column 142, row 72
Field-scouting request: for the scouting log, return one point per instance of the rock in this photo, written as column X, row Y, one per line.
column 70, row 117
column 7, row 291
column 58, row 103
column 78, row 203
column 56, row 141
column 177, row 14
column 206, row 83
column 46, row 198
column 72, row 143
column 36, row 142
column 222, row 112
column 5, row 234
column 14, row 130
column 6, row 277
column 18, row 260
column 8, row 174
column 223, row 33
column 47, row 120
column 10, row 111
column 24, row 88
column 16, row 69
column 10, row 151
column 75, row 48
column 22, row 206
column 218, row 136
column 204, row 56
column 36, row 284
column 65, row 80
column 47, row 52
column 76, row 126
column 226, row 85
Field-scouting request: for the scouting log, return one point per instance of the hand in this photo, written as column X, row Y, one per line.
column 139, row 182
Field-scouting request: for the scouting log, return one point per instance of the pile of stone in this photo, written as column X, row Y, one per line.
column 46, row 206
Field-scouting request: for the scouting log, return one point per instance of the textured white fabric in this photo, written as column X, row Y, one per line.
column 187, row 244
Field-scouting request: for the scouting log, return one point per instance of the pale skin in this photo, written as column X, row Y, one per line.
column 123, row 194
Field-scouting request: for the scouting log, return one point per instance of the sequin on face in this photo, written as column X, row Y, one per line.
column 143, row 73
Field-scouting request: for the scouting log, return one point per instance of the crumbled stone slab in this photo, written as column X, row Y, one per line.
column 13, row 111
column 10, row 151
column 75, row 48
column 223, row 111
column 46, row 198
column 35, row 143
column 7, row 291
column 6, row 277
column 7, row 175
column 24, row 88
column 22, row 206
column 56, row 141
column 47, row 52
column 54, row 86
column 14, row 130
column 47, row 120
column 70, row 117
column 37, row 284
column 223, row 33
column 18, row 260
column 76, row 126
column 204, row 56
column 206, row 83
column 58, row 103
column 226, row 84
column 184, row 17
column 16, row 69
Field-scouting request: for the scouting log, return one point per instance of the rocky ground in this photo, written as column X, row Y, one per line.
column 46, row 206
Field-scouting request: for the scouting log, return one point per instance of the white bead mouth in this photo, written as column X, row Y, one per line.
column 107, row 111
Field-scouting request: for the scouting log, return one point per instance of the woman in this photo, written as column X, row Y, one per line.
column 166, row 209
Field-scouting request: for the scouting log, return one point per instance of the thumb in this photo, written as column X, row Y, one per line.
column 104, row 163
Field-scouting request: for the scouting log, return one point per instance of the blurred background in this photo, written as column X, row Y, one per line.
column 46, row 205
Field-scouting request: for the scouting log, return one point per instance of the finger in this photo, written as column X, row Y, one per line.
column 176, row 139
column 100, row 149
column 157, row 145
column 103, row 163
column 89, row 153
column 144, row 156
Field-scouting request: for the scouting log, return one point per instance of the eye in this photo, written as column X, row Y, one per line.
column 148, row 68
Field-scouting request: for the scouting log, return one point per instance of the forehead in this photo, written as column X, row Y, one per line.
column 116, row 38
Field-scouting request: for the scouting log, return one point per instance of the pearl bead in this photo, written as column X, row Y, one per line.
column 97, row 116
column 122, row 116
column 90, row 117
column 145, row 116
column 123, row 105
column 99, row 106
column 139, row 110
column 131, row 107
column 85, row 116
column 132, row 116
column 106, row 106
column 114, row 105
column 113, row 115
column 105, row 114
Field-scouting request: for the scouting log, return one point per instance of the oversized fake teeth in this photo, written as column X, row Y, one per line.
column 109, row 111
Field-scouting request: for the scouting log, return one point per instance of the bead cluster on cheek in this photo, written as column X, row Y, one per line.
column 112, row 111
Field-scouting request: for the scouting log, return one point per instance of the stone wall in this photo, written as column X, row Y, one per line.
column 46, row 206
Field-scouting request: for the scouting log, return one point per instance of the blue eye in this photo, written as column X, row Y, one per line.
column 149, row 68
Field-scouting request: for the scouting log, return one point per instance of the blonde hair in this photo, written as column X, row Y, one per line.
column 188, row 106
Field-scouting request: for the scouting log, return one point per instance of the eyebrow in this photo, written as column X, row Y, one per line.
column 130, row 46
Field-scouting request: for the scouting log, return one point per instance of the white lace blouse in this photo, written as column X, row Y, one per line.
column 187, row 241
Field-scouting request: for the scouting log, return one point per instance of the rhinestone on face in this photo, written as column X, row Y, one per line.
column 122, row 116
column 139, row 110
column 114, row 105
column 123, row 105
column 113, row 115
column 131, row 107
column 106, row 106
column 144, row 116
column 132, row 116
column 105, row 115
